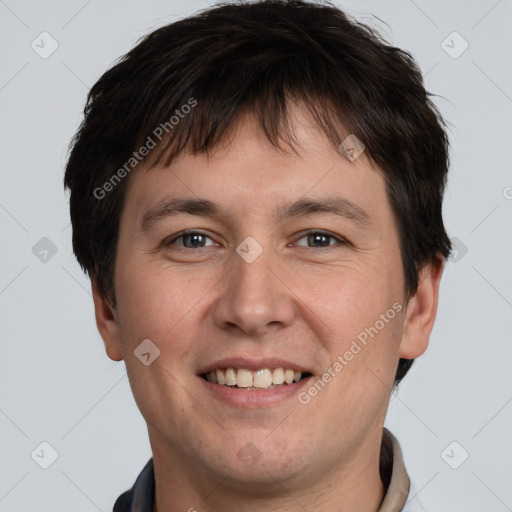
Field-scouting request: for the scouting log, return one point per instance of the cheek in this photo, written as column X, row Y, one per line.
column 363, row 311
column 363, row 361
column 163, row 307
column 159, row 304
column 352, row 298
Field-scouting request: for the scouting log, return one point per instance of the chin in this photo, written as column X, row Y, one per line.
column 259, row 466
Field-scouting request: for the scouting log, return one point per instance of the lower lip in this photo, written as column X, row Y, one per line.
column 252, row 397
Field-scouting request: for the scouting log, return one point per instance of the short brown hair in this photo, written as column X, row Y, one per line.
column 257, row 56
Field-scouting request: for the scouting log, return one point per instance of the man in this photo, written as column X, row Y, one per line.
column 256, row 194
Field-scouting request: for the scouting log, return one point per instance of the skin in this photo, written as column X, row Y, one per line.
column 297, row 301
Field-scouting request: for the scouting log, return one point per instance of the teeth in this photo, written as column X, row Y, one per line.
column 263, row 379
column 244, row 378
column 230, row 377
column 260, row 379
column 220, row 376
column 278, row 376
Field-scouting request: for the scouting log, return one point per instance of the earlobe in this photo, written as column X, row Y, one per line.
column 106, row 322
column 421, row 311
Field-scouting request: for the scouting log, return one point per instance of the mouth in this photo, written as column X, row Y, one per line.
column 255, row 380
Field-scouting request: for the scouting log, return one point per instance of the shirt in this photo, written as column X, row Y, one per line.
column 140, row 498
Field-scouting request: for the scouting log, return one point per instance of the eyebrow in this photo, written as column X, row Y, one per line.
column 301, row 208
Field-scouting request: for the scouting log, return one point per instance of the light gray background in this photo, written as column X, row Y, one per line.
column 56, row 383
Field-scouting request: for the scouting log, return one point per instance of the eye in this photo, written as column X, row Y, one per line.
column 321, row 239
column 190, row 239
column 197, row 240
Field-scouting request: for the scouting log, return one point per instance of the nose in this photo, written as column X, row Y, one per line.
column 256, row 297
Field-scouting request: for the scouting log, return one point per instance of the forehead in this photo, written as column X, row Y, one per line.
column 247, row 174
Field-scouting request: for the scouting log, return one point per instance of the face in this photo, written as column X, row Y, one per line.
column 253, row 287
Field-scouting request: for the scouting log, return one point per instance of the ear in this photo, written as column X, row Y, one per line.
column 421, row 311
column 106, row 322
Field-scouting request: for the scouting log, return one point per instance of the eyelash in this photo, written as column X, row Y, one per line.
column 342, row 241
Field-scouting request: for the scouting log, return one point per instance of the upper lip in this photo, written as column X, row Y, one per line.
column 253, row 364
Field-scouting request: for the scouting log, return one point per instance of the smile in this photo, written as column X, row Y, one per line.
column 244, row 378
